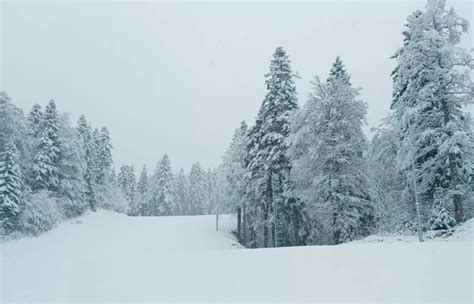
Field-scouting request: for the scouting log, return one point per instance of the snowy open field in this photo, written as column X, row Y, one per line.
column 108, row 257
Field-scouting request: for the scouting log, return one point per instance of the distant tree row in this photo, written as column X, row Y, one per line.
column 309, row 176
column 49, row 170
column 166, row 193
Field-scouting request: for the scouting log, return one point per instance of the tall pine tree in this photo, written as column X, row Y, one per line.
column 197, row 189
column 432, row 84
column 181, row 191
column 46, row 159
column 233, row 164
column 142, row 190
column 104, row 156
column 267, row 162
column 331, row 173
column 35, row 120
column 84, row 131
column 165, row 195
column 11, row 187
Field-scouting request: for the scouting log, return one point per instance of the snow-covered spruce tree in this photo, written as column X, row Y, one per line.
column 253, row 174
column 432, row 84
column 71, row 167
column 181, row 191
column 127, row 183
column 165, row 196
column 11, row 187
column 95, row 154
column 84, row 132
column 104, row 156
column 151, row 205
column 142, row 190
column 46, row 159
column 132, row 188
column 113, row 176
column 267, row 161
column 14, row 125
column 197, row 189
column 35, row 120
column 234, row 170
column 331, row 174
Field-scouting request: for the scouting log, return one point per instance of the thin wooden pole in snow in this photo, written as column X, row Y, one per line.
column 217, row 212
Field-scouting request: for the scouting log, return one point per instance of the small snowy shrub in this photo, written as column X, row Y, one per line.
column 405, row 227
column 71, row 208
column 41, row 213
column 111, row 198
column 441, row 219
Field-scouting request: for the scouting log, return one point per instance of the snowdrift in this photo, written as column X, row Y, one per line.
column 108, row 257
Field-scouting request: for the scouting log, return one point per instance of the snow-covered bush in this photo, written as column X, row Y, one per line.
column 441, row 218
column 40, row 214
column 112, row 198
column 71, row 206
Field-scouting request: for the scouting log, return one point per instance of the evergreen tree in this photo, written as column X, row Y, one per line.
column 165, row 195
column 331, row 174
column 113, row 176
column 432, row 84
column 71, row 170
column 127, row 183
column 268, row 164
column 35, row 119
column 142, row 190
column 84, row 131
column 234, row 170
column 45, row 170
column 197, row 189
column 153, row 193
column 181, row 191
column 95, row 156
column 11, row 199
column 104, row 155
column 132, row 188
column 13, row 125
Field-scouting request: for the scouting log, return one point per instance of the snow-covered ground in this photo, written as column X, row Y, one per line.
column 109, row 257
column 464, row 232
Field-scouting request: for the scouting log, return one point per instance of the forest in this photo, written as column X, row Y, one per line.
column 300, row 174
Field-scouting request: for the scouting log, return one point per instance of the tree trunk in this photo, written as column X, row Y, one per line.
column 271, row 206
column 239, row 220
column 265, row 226
column 457, row 202
column 253, row 237
column 296, row 224
column 458, row 209
column 244, row 226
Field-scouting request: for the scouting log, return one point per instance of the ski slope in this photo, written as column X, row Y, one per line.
column 109, row 257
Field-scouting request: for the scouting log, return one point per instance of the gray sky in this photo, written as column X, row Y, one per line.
column 179, row 77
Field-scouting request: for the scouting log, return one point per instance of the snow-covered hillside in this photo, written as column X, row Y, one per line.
column 106, row 256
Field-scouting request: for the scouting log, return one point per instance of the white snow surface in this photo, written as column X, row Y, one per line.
column 109, row 257
column 463, row 232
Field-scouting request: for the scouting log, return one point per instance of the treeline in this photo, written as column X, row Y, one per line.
column 50, row 170
column 308, row 175
column 165, row 193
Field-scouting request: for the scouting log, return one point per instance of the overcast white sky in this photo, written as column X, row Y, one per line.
column 179, row 77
